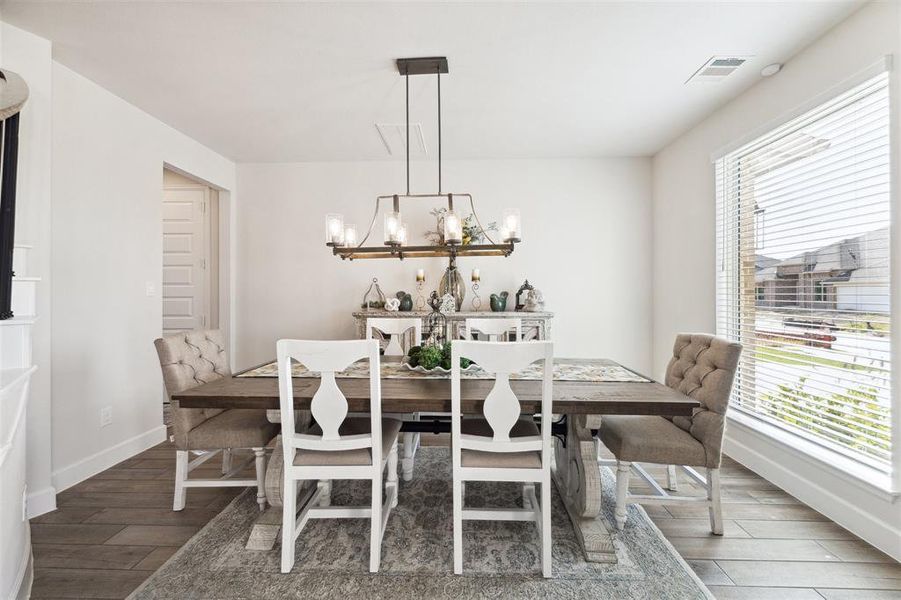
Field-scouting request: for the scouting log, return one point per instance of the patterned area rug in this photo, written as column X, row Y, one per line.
column 501, row 559
column 563, row 371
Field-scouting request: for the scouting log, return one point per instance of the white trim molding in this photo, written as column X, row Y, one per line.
column 41, row 502
column 860, row 505
column 25, row 576
column 77, row 472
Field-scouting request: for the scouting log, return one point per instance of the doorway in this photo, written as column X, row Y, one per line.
column 190, row 283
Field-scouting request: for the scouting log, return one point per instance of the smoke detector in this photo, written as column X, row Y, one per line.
column 717, row 69
column 394, row 137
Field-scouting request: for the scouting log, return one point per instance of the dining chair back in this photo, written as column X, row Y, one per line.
column 503, row 445
column 189, row 359
column 395, row 329
column 495, row 329
column 336, row 446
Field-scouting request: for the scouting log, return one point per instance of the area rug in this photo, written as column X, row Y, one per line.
column 501, row 559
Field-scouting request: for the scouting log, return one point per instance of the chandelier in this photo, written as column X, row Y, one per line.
column 342, row 238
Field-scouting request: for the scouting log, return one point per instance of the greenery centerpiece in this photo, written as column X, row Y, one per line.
column 433, row 356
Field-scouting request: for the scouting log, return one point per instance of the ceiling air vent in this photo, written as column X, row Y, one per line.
column 394, row 136
column 718, row 68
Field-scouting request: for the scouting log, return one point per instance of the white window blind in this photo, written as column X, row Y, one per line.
column 803, row 273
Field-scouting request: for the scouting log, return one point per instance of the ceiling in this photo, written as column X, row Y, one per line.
column 284, row 82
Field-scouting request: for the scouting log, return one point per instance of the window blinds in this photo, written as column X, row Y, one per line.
column 803, row 273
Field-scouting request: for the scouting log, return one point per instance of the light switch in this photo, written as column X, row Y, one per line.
column 151, row 288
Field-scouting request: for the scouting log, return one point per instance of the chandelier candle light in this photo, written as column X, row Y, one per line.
column 343, row 240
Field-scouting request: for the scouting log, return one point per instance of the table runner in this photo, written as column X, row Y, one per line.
column 563, row 371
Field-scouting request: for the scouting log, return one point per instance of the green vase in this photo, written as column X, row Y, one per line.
column 406, row 303
column 498, row 302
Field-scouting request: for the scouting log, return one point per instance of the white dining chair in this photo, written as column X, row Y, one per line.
column 395, row 329
column 494, row 328
column 503, row 445
column 337, row 446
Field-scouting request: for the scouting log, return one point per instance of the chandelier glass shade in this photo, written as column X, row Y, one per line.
column 343, row 239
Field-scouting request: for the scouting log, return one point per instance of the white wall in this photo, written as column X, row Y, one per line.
column 586, row 227
column 29, row 56
column 684, row 249
column 108, row 159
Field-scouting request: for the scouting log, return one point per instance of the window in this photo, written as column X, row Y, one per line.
column 803, row 273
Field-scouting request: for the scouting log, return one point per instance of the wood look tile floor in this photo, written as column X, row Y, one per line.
column 113, row 530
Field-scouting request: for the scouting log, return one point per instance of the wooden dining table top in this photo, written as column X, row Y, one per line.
column 407, row 395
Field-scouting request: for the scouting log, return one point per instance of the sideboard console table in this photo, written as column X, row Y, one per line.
column 535, row 325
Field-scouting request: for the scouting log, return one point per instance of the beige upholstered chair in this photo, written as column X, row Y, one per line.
column 702, row 367
column 189, row 359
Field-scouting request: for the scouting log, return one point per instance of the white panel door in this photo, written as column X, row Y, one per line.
column 185, row 250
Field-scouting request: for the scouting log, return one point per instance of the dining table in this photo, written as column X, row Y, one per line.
column 584, row 390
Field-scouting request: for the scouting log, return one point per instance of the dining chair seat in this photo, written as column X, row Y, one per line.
column 234, row 428
column 524, row 427
column 360, row 456
column 652, row 439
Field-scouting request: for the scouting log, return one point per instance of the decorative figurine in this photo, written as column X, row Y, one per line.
column 498, row 302
column 420, row 282
column 392, row 304
column 523, row 288
column 452, row 283
column 406, row 301
column 534, row 301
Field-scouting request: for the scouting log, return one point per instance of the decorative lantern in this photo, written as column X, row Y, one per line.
column 436, row 322
column 374, row 298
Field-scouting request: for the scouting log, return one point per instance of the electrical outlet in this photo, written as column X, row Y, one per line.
column 150, row 288
column 106, row 416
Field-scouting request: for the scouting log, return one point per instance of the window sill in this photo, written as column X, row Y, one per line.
column 855, row 473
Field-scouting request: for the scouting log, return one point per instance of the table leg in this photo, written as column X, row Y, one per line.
column 578, row 480
column 267, row 526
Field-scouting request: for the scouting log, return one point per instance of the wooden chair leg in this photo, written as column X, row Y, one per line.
column 181, row 474
column 672, row 482
column 546, row 542
column 260, row 454
column 458, row 527
column 623, row 470
column 375, row 525
column 716, row 507
column 289, row 522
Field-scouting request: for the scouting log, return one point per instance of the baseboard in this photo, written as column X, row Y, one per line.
column 25, row 576
column 872, row 517
column 41, row 502
column 77, row 472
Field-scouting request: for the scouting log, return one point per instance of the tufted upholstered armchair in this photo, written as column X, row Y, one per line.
column 189, row 359
column 702, row 367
